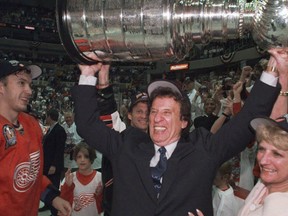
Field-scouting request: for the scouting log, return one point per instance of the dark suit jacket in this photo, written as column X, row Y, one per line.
column 188, row 179
column 53, row 148
column 205, row 121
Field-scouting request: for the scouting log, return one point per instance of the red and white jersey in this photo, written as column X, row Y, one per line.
column 86, row 192
column 21, row 166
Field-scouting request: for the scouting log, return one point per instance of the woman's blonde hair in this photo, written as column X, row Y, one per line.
column 274, row 135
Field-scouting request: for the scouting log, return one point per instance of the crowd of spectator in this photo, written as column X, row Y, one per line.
column 38, row 17
column 52, row 89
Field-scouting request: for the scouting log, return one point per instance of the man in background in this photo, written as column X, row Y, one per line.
column 71, row 141
column 137, row 116
column 53, row 148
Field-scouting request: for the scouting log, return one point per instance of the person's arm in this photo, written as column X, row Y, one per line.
column 88, row 72
column 103, row 76
column 237, row 101
column 67, row 187
column 51, row 196
column 245, row 76
column 223, row 117
column 218, row 106
column 234, row 136
column 106, row 100
column 237, row 88
column 99, row 196
column 62, row 206
column 280, row 107
column 88, row 111
column 196, row 103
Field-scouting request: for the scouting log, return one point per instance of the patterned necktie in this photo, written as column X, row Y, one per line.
column 158, row 171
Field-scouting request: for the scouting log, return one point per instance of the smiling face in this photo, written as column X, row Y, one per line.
column 16, row 92
column 69, row 118
column 139, row 116
column 273, row 165
column 209, row 106
column 165, row 124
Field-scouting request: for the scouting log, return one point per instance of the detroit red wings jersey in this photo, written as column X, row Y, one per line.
column 21, row 164
column 86, row 192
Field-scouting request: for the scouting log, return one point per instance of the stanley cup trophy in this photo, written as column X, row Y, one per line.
column 271, row 24
column 151, row 30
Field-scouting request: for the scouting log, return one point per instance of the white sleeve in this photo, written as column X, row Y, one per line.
column 269, row 79
column 118, row 124
column 87, row 80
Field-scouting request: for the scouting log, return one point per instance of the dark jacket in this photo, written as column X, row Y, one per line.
column 191, row 169
column 205, row 121
column 53, row 148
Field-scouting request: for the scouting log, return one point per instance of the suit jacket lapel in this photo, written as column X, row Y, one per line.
column 143, row 156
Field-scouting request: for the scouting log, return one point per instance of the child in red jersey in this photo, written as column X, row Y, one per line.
column 83, row 188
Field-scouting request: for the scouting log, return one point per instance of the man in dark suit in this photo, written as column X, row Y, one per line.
column 53, row 149
column 191, row 159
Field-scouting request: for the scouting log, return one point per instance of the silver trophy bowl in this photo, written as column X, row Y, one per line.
column 152, row 30
column 271, row 24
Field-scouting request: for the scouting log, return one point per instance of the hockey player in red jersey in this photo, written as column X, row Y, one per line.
column 22, row 183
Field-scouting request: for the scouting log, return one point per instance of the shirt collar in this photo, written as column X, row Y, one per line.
column 169, row 148
column 53, row 125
